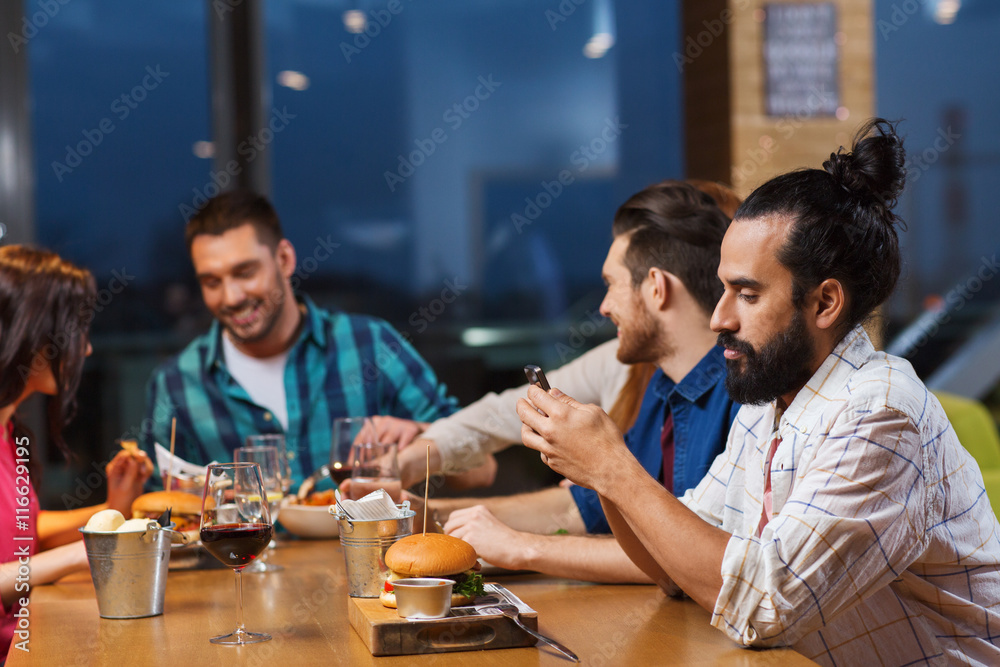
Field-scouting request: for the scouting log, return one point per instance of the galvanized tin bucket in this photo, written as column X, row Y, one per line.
column 364, row 544
column 130, row 570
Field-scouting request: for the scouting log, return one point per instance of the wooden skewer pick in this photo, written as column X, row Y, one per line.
column 427, row 485
column 173, row 437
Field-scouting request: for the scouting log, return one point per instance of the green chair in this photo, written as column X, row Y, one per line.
column 977, row 431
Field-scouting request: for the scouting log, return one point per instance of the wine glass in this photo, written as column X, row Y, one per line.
column 285, row 457
column 269, row 461
column 374, row 465
column 235, row 528
column 347, row 431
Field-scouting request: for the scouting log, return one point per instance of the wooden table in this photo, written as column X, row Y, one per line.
column 304, row 608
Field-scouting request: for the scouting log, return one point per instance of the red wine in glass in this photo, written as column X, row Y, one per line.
column 339, row 474
column 235, row 528
column 236, row 545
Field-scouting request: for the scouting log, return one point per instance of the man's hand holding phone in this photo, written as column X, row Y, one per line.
column 536, row 376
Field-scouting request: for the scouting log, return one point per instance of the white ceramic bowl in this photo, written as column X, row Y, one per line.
column 311, row 521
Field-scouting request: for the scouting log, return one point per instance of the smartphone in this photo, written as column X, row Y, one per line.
column 536, row 376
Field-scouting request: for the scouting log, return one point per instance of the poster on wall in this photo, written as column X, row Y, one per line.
column 801, row 59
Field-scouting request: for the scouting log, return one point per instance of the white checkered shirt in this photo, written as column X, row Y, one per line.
column 882, row 547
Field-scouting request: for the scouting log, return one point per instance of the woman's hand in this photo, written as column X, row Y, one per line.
column 127, row 474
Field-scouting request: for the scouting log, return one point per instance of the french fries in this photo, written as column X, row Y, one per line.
column 132, row 448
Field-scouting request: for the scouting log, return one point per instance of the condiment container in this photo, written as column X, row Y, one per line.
column 423, row 597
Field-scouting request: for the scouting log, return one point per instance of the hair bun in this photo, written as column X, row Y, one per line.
column 874, row 169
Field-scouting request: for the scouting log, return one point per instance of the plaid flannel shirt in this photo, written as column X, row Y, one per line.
column 341, row 365
column 882, row 547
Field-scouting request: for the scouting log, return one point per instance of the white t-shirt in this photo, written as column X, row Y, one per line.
column 264, row 379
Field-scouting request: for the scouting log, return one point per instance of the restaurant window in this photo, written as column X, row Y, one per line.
column 120, row 101
column 467, row 159
column 120, row 98
column 452, row 167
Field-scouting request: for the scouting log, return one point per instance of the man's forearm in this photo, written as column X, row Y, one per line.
column 542, row 512
column 687, row 549
column 598, row 559
column 634, row 549
column 414, row 461
column 477, row 478
column 423, row 456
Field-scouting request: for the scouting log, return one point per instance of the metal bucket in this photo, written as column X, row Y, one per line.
column 130, row 570
column 364, row 544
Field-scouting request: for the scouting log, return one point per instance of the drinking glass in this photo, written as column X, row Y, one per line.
column 235, row 528
column 374, row 465
column 269, row 461
column 285, row 457
column 347, row 431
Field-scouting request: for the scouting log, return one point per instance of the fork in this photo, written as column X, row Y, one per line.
column 510, row 611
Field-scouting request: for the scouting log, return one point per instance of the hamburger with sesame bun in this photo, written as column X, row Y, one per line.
column 434, row 555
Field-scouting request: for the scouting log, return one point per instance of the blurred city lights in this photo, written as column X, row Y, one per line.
column 293, row 80
column 355, row 21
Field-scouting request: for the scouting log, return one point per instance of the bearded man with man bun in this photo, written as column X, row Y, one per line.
column 844, row 518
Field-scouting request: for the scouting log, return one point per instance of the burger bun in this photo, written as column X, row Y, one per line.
column 180, row 502
column 430, row 555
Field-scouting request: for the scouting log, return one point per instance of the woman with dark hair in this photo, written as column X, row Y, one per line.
column 46, row 305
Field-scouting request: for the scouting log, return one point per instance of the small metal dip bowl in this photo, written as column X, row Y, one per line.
column 423, row 597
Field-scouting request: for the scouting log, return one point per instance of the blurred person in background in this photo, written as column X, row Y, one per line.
column 46, row 305
column 273, row 362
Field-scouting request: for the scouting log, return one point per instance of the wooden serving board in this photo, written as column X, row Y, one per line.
column 385, row 633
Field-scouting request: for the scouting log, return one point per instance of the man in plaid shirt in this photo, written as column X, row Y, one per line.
column 844, row 518
column 273, row 362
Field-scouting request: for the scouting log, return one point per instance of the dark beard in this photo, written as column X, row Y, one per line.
column 645, row 342
column 783, row 364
